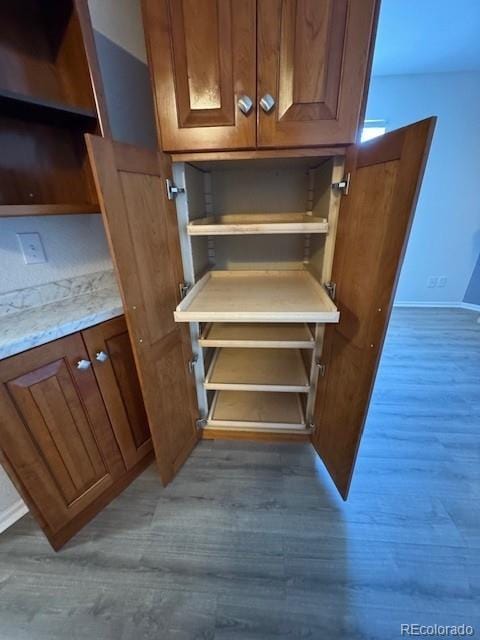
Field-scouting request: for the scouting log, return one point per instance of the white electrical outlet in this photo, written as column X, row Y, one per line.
column 442, row 281
column 432, row 282
column 32, row 248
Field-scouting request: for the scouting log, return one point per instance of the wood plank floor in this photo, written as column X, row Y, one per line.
column 250, row 541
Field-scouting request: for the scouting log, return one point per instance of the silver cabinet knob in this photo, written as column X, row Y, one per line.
column 101, row 356
column 245, row 104
column 84, row 364
column 267, row 102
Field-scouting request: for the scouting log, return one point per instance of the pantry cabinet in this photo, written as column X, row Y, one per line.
column 258, row 73
column 283, row 270
column 57, row 443
column 257, row 263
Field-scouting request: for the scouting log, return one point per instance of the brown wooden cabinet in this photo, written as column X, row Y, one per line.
column 50, row 95
column 331, row 295
column 313, row 60
column 57, row 443
column 110, row 352
column 259, row 73
column 202, row 59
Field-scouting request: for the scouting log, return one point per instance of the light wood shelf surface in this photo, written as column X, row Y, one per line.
column 257, row 224
column 257, row 296
column 260, row 336
column 279, row 370
column 250, row 410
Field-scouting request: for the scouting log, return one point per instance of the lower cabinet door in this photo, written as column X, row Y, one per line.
column 56, row 440
column 109, row 349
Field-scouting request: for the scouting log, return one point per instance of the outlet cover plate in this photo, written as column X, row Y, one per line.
column 32, row 248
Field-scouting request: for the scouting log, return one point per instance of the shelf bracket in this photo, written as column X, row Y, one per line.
column 343, row 185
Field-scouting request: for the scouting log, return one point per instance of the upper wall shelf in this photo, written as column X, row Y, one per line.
column 42, row 109
column 257, row 223
column 19, row 210
column 257, row 296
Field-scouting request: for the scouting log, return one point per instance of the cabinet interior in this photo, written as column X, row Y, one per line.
column 47, row 104
column 257, row 239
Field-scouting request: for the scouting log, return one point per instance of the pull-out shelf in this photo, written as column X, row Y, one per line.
column 257, row 223
column 279, row 370
column 257, row 296
column 251, row 410
column 259, row 336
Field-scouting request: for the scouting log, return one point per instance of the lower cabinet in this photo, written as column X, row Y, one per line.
column 73, row 430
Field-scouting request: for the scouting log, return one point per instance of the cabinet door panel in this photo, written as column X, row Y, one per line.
column 313, row 58
column 120, row 387
column 373, row 227
column 202, row 59
column 141, row 226
column 55, row 431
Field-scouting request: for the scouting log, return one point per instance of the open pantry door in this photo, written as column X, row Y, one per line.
column 374, row 223
column 141, row 227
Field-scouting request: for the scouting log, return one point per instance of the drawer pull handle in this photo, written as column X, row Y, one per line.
column 101, row 356
column 83, row 364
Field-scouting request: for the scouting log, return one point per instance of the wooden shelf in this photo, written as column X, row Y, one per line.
column 279, row 370
column 260, row 336
column 257, row 296
column 257, row 224
column 42, row 109
column 250, row 410
column 14, row 210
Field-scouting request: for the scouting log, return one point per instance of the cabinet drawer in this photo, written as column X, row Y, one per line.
column 256, row 410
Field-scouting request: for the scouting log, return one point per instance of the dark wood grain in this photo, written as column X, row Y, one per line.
column 313, row 58
column 202, row 59
column 120, row 388
column 373, row 228
column 142, row 232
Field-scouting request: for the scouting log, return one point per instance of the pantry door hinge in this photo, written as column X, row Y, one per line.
column 184, row 289
column 192, row 363
column 331, row 288
column 201, row 423
column 172, row 189
column 322, row 368
column 343, row 185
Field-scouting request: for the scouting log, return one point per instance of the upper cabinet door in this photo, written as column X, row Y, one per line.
column 141, row 227
column 202, row 56
column 374, row 223
column 313, row 65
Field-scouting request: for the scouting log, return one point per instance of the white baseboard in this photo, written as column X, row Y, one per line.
column 438, row 305
column 12, row 514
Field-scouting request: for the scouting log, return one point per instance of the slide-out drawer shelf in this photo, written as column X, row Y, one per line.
column 257, row 411
column 257, row 224
column 279, row 370
column 257, row 296
column 260, row 336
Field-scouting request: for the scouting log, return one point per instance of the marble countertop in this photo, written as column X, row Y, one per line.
column 33, row 326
